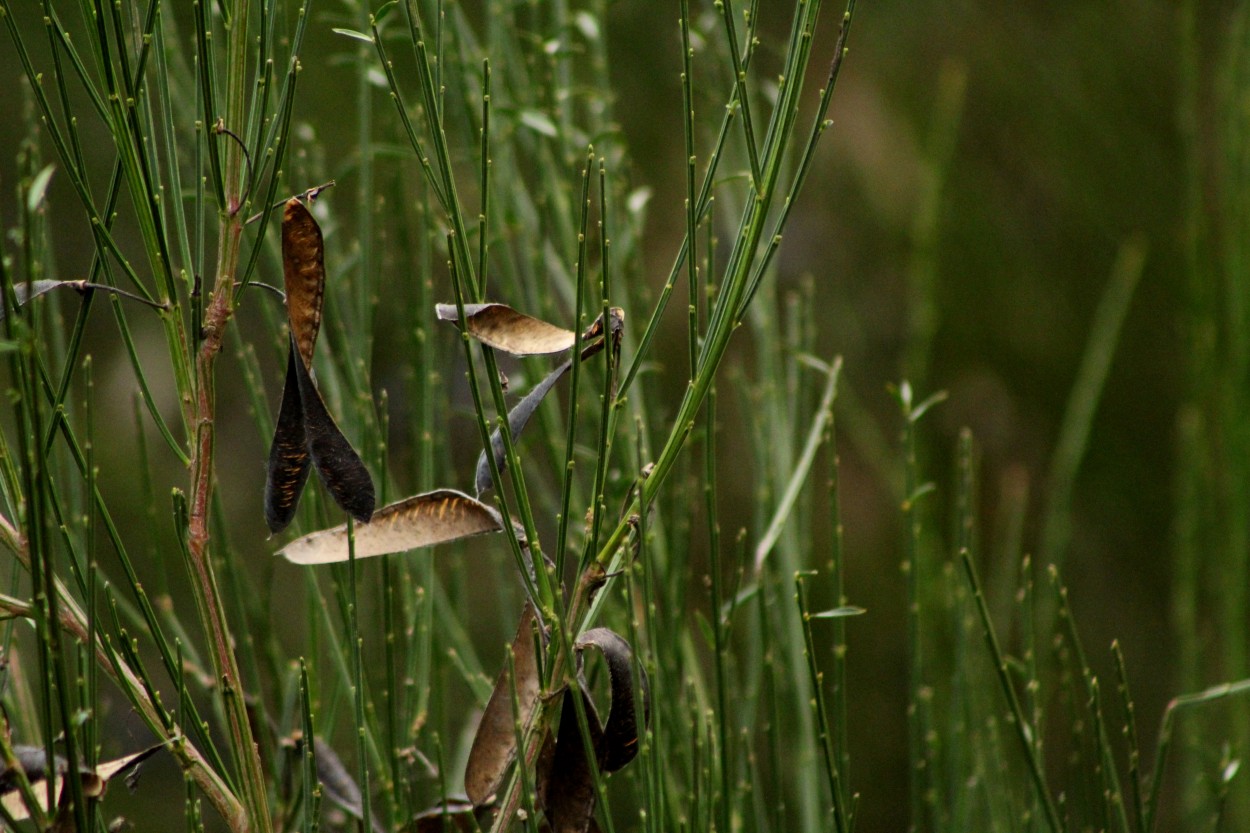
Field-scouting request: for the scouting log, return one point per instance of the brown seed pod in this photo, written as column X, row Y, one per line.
column 305, row 432
column 288, row 454
column 503, row 328
column 620, row 733
column 338, row 465
column 304, row 273
column 494, row 744
column 425, row 520
column 518, row 418
column 593, row 342
column 569, row 787
column 339, row 785
column 33, row 762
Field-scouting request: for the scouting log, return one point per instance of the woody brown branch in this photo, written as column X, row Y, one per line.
column 216, row 318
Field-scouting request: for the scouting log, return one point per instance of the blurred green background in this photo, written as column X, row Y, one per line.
column 988, row 165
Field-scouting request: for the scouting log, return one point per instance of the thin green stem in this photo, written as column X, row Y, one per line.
column 358, row 676
column 820, row 707
column 1087, row 389
column 919, row 775
column 607, row 411
column 1130, row 736
column 687, row 122
column 1163, row 744
column 483, row 217
column 837, row 574
column 740, row 80
column 1024, row 730
column 1108, row 774
column 566, row 486
column 724, row 805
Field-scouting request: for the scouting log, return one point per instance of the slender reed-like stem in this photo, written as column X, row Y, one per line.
column 579, row 306
column 837, row 575
column 920, row 774
column 692, row 255
column 358, row 676
column 1024, row 730
column 1163, row 744
column 308, row 770
column 820, row 707
column 216, row 318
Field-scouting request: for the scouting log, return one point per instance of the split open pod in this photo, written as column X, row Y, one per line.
column 306, row 435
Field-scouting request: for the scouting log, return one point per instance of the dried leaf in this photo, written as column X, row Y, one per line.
column 24, row 291
column 338, row 465
column 620, row 733
column 425, row 520
column 304, row 273
column 503, row 328
column 494, row 745
column 288, row 454
column 518, row 418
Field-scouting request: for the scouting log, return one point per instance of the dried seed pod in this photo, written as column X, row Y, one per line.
column 24, row 291
column 518, row 418
column 338, row 465
column 33, row 761
column 569, row 790
column 494, row 744
column 593, row 341
column 304, row 274
column 305, row 432
column 340, row 787
column 620, row 733
column 565, row 780
column 503, row 328
column 424, row 520
column 288, row 454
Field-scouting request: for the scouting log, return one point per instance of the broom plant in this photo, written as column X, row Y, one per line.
column 515, row 596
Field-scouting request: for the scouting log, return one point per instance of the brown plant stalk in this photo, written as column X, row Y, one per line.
column 212, row 612
column 216, row 318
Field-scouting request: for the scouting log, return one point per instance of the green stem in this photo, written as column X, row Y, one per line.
column 727, row 313
column 216, row 318
column 1024, row 730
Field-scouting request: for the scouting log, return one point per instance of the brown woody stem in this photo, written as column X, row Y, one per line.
column 216, row 318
